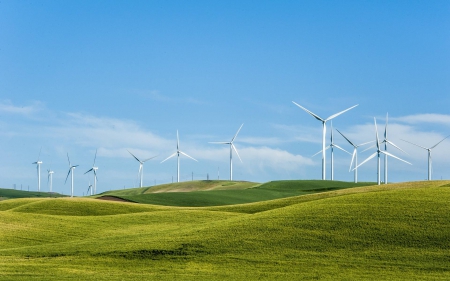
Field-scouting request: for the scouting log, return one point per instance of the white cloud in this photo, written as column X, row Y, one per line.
column 7, row 106
column 442, row 119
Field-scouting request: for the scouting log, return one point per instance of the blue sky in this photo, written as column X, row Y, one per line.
column 77, row 76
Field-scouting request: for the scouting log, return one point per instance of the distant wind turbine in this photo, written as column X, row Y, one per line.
column 38, row 166
column 71, row 168
column 141, row 167
column 89, row 189
column 324, row 131
column 429, row 154
column 232, row 147
column 386, row 141
column 355, row 155
column 177, row 153
column 332, row 146
column 94, row 170
column 377, row 153
column 50, row 179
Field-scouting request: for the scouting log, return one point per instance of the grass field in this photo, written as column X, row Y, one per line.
column 390, row 232
column 13, row 193
column 217, row 193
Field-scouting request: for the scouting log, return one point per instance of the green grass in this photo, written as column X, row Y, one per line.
column 389, row 232
column 217, row 193
column 13, row 193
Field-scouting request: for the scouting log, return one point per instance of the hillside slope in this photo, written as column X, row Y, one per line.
column 391, row 232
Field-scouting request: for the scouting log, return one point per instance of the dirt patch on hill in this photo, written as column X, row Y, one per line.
column 113, row 198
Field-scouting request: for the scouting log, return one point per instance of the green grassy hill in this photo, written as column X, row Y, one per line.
column 389, row 232
column 217, row 193
column 13, row 193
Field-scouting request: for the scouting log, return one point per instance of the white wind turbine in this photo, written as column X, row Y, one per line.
column 232, row 147
column 94, row 170
column 355, row 154
column 71, row 168
column 141, row 167
column 38, row 166
column 50, row 179
column 429, row 154
column 324, row 130
column 386, row 141
column 177, row 153
column 332, row 146
column 89, row 189
column 377, row 153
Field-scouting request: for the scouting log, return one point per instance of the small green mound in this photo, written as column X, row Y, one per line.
column 77, row 207
column 13, row 193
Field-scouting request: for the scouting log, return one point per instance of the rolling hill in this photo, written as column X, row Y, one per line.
column 390, row 232
column 217, row 193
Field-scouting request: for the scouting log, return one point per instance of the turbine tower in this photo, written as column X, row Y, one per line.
column 232, row 147
column 332, row 146
column 429, row 154
column 141, row 167
column 177, row 153
column 354, row 156
column 377, row 153
column 94, row 170
column 38, row 166
column 324, row 130
column 386, row 141
column 50, row 179
column 71, row 168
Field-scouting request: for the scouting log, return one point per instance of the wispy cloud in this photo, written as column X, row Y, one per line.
column 7, row 106
column 442, row 119
column 157, row 96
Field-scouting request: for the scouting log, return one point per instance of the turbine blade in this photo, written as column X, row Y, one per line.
column 337, row 146
column 95, row 157
column 394, row 145
column 237, row 132
column 353, row 158
column 372, row 146
column 321, row 151
column 439, row 142
column 392, row 155
column 134, row 156
column 89, row 171
column 68, row 159
column 219, row 142
column 415, row 144
column 314, row 115
column 235, row 150
column 67, row 175
column 364, row 143
column 178, row 141
column 346, row 138
column 149, row 158
column 169, row 157
column 376, row 133
column 385, row 127
column 188, row 156
column 367, row 159
column 339, row 113
column 39, row 157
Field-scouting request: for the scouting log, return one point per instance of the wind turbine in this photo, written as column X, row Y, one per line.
column 355, row 155
column 377, row 153
column 332, row 146
column 141, row 167
column 429, row 154
column 177, row 153
column 324, row 130
column 38, row 166
column 386, row 141
column 71, row 168
column 89, row 188
column 94, row 170
column 232, row 147
column 50, row 179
